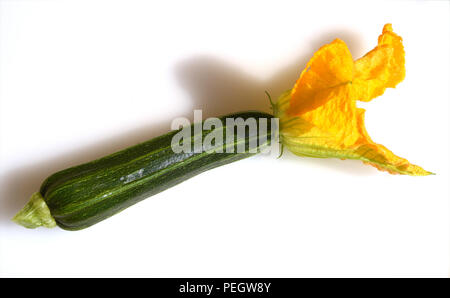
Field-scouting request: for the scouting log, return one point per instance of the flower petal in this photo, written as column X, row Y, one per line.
column 383, row 159
column 379, row 156
column 331, row 66
column 381, row 68
column 337, row 117
column 373, row 154
column 336, row 129
column 319, row 117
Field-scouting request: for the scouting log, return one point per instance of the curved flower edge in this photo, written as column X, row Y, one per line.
column 295, row 134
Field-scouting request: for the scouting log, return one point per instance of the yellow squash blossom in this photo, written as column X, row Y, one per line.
column 319, row 116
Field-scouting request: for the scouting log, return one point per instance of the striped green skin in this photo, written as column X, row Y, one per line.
column 84, row 195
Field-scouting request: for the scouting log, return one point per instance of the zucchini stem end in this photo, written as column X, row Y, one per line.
column 35, row 214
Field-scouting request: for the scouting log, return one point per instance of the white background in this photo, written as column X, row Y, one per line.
column 82, row 79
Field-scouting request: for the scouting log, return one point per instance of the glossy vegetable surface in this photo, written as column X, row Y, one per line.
column 84, row 195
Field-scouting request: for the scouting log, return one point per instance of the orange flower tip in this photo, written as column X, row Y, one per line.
column 339, row 41
column 406, row 169
column 422, row 172
column 388, row 28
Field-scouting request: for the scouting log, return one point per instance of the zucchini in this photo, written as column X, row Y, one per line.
column 84, row 195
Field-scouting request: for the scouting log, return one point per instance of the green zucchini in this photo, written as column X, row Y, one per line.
column 84, row 195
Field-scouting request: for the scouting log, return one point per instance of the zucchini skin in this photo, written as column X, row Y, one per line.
column 84, row 195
